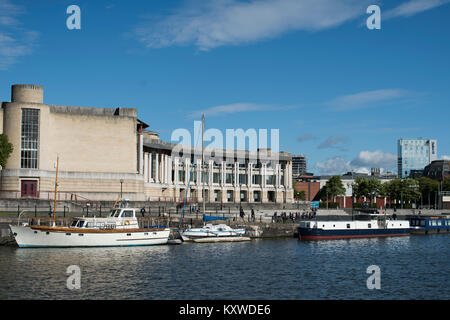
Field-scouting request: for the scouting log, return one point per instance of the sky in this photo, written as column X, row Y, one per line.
column 338, row 92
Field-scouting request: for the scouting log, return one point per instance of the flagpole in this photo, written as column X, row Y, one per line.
column 56, row 189
column 203, row 175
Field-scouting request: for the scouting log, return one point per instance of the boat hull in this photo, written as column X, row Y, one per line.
column 320, row 234
column 27, row 237
column 191, row 235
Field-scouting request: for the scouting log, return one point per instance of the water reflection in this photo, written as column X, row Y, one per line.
column 411, row 267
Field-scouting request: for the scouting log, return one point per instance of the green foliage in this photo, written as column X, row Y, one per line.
column 403, row 190
column 333, row 188
column 365, row 187
column 300, row 195
column 5, row 149
column 446, row 185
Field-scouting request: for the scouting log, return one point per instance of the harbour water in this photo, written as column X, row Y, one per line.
column 415, row 267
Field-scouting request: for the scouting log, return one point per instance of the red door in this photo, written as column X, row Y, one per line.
column 28, row 189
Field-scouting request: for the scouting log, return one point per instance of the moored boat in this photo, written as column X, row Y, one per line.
column 213, row 232
column 120, row 228
column 429, row 225
column 364, row 226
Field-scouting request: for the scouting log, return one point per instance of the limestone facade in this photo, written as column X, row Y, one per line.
column 103, row 151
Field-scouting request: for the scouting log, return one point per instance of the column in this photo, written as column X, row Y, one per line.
column 150, row 179
column 186, row 171
column 157, row 168
column 141, row 154
column 263, row 174
column 222, row 173
column 170, row 165
column 146, row 167
column 176, row 171
column 277, row 175
column 236, row 174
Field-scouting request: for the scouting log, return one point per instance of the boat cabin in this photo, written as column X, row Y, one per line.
column 118, row 218
column 430, row 222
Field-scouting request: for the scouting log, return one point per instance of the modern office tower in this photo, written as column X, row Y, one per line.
column 298, row 165
column 415, row 154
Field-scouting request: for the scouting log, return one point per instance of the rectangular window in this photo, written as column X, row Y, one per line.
column 29, row 139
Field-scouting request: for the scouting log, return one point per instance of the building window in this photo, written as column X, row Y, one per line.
column 29, row 139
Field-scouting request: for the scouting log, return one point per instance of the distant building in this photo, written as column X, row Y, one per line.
column 415, row 154
column 298, row 165
column 438, row 170
column 415, row 173
column 375, row 172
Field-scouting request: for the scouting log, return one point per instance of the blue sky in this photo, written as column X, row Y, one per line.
column 338, row 92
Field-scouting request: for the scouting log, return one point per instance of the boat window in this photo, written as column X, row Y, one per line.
column 369, row 225
column 81, row 224
column 114, row 213
column 127, row 214
column 348, row 225
column 422, row 223
column 439, row 223
column 74, row 223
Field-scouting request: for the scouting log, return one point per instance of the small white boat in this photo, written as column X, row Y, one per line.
column 120, row 228
column 216, row 232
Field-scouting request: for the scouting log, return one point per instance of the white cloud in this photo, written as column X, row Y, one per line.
column 15, row 41
column 413, row 7
column 335, row 165
column 445, row 157
column 231, row 22
column 235, row 108
column 375, row 159
column 368, row 99
column 361, row 164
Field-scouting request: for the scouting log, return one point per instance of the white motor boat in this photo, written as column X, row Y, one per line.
column 120, row 228
column 213, row 232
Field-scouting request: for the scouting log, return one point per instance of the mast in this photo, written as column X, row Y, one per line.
column 56, row 188
column 203, row 175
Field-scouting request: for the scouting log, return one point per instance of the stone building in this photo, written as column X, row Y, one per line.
column 105, row 151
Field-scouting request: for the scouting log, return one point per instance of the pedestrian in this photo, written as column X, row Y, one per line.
column 143, row 211
column 242, row 214
column 253, row 215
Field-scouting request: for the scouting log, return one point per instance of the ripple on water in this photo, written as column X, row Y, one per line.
column 411, row 268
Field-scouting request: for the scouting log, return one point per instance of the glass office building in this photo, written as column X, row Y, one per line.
column 415, row 154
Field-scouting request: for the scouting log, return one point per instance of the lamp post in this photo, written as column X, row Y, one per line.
column 121, row 182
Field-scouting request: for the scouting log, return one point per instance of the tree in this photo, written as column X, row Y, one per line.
column 427, row 187
column 365, row 187
column 333, row 188
column 446, row 184
column 402, row 190
column 5, row 150
column 300, row 195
